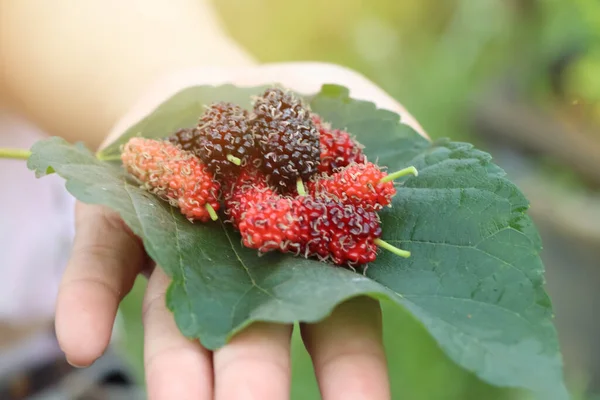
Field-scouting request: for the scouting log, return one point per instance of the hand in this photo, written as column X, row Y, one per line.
column 346, row 348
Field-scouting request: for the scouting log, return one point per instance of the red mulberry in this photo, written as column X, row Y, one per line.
column 249, row 188
column 269, row 224
column 338, row 148
column 174, row 175
column 342, row 233
column 356, row 184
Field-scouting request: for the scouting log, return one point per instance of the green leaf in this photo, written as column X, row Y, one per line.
column 474, row 281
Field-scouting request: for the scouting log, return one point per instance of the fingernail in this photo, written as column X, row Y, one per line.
column 75, row 365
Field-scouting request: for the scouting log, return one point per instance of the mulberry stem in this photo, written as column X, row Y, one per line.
column 395, row 175
column 234, row 160
column 15, row 154
column 300, row 187
column 114, row 157
column 211, row 212
column 385, row 245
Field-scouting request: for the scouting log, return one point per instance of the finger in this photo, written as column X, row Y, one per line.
column 104, row 261
column 347, row 352
column 255, row 364
column 176, row 367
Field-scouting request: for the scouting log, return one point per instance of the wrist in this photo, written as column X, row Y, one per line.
column 100, row 62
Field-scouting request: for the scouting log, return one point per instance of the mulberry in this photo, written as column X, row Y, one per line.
column 242, row 192
column 357, row 184
column 174, row 175
column 338, row 148
column 269, row 224
column 222, row 139
column 287, row 138
column 342, row 233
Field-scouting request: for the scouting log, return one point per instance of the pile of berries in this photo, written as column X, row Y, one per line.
column 283, row 177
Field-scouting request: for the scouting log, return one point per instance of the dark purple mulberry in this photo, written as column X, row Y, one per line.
column 222, row 139
column 286, row 137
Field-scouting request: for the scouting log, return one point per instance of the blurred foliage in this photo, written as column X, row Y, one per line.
column 435, row 57
column 579, row 85
column 583, row 86
column 431, row 55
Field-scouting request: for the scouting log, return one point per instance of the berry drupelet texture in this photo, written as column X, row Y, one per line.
column 280, row 104
column 342, row 233
column 243, row 191
column 174, row 175
column 269, row 224
column 185, row 138
column 222, row 139
column 358, row 184
column 338, row 148
column 286, row 137
column 326, row 229
column 263, row 217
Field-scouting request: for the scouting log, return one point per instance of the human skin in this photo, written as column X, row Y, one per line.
column 346, row 348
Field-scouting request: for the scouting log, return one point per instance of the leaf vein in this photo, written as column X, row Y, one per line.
column 183, row 277
column 245, row 267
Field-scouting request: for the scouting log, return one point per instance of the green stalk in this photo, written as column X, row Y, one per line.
column 395, row 175
column 234, row 160
column 15, row 154
column 385, row 245
column 114, row 157
column 211, row 212
column 300, row 187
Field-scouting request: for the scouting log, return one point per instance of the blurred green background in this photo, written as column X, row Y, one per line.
column 519, row 78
